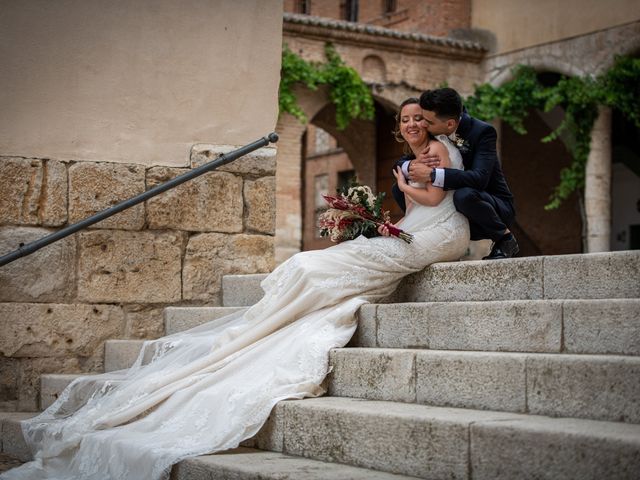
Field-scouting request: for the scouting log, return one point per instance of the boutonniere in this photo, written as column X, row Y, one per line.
column 460, row 143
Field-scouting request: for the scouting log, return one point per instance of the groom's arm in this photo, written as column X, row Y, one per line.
column 419, row 170
column 484, row 159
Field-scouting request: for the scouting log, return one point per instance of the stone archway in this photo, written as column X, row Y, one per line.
column 367, row 150
column 625, row 179
column 589, row 54
column 539, row 64
column 361, row 141
column 356, row 140
column 331, row 159
column 532, row 169
column 288, row 240
column 394, row 66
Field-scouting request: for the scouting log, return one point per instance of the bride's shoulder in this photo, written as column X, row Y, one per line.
column 438, row 145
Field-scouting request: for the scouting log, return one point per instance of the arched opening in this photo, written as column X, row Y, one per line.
column 625, row 184
column 332, row 157
column 327, row 167
column 532, row 169
column 374, row 71
column 389, row 152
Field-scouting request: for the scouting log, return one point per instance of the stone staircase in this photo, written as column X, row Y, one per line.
column 522, row 368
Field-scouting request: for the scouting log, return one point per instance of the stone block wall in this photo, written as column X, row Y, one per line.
column 113, row 280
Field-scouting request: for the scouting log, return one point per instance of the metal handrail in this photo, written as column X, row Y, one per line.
column 29, row 248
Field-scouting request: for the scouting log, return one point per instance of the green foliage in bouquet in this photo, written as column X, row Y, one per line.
column 364, row 197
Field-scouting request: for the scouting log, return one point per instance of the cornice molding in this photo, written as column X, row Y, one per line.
column 371, row 36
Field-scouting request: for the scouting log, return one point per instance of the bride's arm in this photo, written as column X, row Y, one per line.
column 430, row 195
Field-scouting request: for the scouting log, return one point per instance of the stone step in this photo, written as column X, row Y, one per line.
column 179, row 319
column 593, row 275
column 427, row 442
column 570, row 326
column 251, row 464
column 585, row 386
column 581, row 276
column 52, row 385
column 242, row 290
column 608, row 326
column 241, row 463
column 437, row 442
column 120, row 354
column 598, row 387
column 11, row 439
column 422, row 441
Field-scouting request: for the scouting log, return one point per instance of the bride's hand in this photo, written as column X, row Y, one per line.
column 400, row 180
column 383, row 230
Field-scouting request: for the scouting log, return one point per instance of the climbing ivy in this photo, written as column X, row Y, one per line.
column 579, row 97
column 347, row 91
column 511, row 102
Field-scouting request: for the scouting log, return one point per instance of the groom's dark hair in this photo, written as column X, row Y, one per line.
column 444, row 102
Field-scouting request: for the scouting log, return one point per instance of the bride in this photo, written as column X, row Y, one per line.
column 209, row 388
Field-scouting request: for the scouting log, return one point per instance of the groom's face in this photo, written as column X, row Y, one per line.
column 437, row 126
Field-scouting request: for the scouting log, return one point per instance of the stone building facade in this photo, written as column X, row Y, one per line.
column 590, row 54
column 393, row 49
column 397, row 65
column 130, row 96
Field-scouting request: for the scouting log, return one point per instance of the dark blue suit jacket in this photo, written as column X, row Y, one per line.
column 482, row 170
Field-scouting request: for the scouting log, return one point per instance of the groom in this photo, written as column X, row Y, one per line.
column 481, row 191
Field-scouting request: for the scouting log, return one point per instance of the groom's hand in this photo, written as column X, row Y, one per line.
column 420, row 168
column 419, row 172
column 430, row 159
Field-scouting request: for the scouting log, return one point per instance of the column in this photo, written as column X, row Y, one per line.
column 288, row 239
column 597, row 189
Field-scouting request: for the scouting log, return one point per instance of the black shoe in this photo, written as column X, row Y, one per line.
column 506, row 247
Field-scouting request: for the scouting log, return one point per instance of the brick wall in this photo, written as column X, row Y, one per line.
column 433, row 17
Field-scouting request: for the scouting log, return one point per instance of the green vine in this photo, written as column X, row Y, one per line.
column 347, row 91
column 580, row 97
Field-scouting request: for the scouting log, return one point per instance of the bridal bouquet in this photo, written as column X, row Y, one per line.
column 356, row 211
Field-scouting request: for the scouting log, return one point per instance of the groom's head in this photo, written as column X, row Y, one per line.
column 442, row 109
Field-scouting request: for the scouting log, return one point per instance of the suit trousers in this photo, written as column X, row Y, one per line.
column 489, row 216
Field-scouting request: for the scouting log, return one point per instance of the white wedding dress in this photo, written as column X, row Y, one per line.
column 209, row 388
